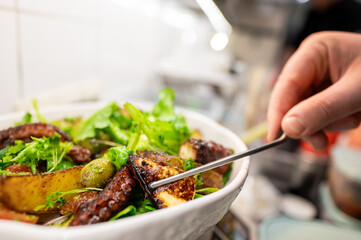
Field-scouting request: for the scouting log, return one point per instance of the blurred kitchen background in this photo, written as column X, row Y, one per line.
column 221, row 57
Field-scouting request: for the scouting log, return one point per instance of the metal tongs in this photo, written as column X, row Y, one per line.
column 218, row 163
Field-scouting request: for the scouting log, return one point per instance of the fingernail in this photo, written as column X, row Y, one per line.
column 294, row 125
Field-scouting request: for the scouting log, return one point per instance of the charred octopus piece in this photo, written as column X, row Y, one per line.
column 150, row 169
column 80, row 154
column 204, row 152
column 111, row 200
column 72, row 206
column 162, row 157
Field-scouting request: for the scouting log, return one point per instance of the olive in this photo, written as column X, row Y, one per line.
column 97, row 172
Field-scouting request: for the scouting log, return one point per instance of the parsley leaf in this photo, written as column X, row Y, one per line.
column 49, row 149
column 57, row 198
column 164, row 135
column 118, row 156
column 107, row 119
column 26, row 119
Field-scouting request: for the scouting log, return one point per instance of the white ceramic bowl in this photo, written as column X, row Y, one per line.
column 186, row 221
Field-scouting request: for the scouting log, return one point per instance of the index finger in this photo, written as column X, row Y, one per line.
column 306, row 66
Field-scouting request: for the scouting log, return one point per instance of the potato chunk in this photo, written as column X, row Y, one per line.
column 24, row 193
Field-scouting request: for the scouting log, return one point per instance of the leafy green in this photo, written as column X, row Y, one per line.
column 99, row 120
column 164, row 135
column 64, row 165
column 67, row 124
column 8, row 173
column 132, row 210
column 197, row 195
column 128, row 211
column 227, row 175
column 189, row 164
column 145, row 206
column 199, row 180
column 118, row 156
column 164, row 108
column 206, row 190
column 26, row 119
column 49, row 149
column 107, row 119
column 57, row 198
column 39, row 116
column 119, row 135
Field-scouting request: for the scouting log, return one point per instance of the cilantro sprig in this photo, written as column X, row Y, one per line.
column 56, row 199
column 49, row 149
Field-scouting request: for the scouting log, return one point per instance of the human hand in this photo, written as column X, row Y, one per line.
column 319, row 89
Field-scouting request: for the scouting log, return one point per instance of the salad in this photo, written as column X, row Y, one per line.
column 98, row 169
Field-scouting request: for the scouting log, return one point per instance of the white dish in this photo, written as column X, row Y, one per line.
column 185, row 221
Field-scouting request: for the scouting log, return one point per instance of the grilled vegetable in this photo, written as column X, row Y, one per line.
column 72, row 206
column 204, row 152
column 162, row 157
column 24, row 193
column 150, row 169
column 97, row 173
column 115, row 196
column 211, row 179
column 6, row 213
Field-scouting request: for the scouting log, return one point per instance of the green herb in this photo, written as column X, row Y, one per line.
column 49, row 149
column 132, row 210
column 108, row 120
column 145, row 206
column 199, row 180
column 197, row 195
column 99, row 120
column 164, row 135
column 67, row 124
column 205, row 191
column 64, row 165
column 128, row 211
column 26, row 119
column 227, row 175
column 8, row 173
column 164, row 108
column 119, row 135
column 189, row 164
column 39, row 116
column 57, row 198
column 118, row 156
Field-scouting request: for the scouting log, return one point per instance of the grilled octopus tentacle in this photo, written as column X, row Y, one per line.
column 204, row 152
column 113, row 198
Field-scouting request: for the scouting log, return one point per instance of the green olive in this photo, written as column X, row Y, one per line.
column 97, row 172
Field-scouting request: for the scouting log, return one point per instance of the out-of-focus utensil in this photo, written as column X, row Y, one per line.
column 218, row 163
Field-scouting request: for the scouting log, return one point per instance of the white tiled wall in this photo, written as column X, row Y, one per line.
column 9, row 88
column 50, row 44
column 56, row 53
column 7, row 3
column 78, row 8
column 129, row 52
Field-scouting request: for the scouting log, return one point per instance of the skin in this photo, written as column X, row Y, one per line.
column 319, row 89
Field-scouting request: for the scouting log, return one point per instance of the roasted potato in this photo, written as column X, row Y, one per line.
column 26, row 192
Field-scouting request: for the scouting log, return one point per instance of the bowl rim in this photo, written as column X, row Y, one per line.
column 234, row 185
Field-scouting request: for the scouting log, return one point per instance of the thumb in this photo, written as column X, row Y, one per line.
column 340, row 100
